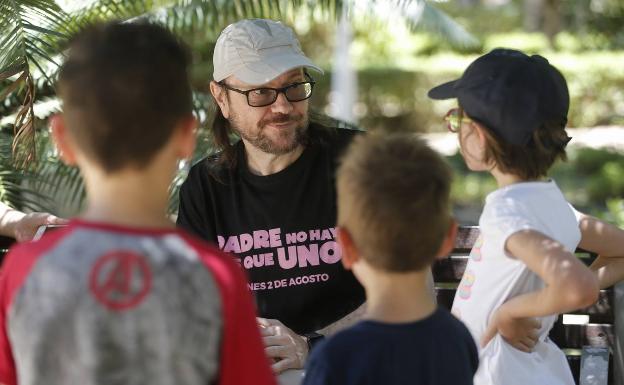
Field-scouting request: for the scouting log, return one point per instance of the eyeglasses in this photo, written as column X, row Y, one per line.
column 454, row 119
column 260, row 97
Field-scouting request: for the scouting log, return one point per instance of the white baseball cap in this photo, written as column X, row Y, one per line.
column 257, row 51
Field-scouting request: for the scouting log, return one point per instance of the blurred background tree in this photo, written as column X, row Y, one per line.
column 32, row 37
column 400, row 49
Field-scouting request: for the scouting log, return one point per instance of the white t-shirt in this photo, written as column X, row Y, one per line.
column 492, row 277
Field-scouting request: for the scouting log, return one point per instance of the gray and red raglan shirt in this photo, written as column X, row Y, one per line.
column 103, row 304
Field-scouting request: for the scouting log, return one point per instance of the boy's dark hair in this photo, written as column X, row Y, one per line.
column 393, row 198
column 124, row 88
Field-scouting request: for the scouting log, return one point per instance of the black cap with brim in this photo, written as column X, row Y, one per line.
column 510, row 93
column 444, row 91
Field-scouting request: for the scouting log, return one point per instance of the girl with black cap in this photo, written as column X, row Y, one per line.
column 511, row 117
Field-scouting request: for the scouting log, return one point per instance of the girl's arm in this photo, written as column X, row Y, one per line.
column 608, row 242
column 570, row 285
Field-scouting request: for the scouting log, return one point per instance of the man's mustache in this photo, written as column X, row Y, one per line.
column 281, row 119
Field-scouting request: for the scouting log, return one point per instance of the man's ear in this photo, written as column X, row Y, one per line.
column 220, row 95
column 61, row 138
column 448, row 243
column 350, row 254
column 186, row 136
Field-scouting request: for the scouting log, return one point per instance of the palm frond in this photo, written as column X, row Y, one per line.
column 436, row 21
column 30, row 31
column 421, row 15
column 31, row 36
column 205, row 18
column 13, row 189
column 107, row 10
column 62, row 184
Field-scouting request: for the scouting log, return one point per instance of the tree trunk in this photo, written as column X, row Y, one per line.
column 543, row 16
column 552, row 20
column 533, row 15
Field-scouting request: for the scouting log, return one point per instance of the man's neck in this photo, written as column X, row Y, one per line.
column 262, row 163
column 398, row 297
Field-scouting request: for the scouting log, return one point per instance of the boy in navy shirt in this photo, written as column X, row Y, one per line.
column 394, row 221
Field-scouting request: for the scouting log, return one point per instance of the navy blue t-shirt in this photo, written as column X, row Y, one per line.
column 437, row 350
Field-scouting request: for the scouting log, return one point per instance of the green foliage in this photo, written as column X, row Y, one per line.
column 589, row 161
column 395, row 97
column 13, row 181
column 528, row 42
column 592, row 180
column 29, row 36
column 483, row 21
column 596, row 24
column 395, row 69
column 615, row 212
column 599, row 23
column 33, row 33
column 469, row 188
column 601, row 173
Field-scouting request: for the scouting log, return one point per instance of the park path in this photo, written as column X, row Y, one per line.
column 606, row 137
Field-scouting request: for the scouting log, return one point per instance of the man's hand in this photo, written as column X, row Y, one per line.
column 286, row 348
column 26, row 227
column 521, row 333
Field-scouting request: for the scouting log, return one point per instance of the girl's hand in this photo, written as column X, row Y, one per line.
column 521, row 333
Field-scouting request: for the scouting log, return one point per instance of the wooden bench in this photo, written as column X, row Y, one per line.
column 593, row 328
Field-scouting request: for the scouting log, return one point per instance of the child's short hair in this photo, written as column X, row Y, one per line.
column 530, row 161
column 393, row 198
column 124, row 88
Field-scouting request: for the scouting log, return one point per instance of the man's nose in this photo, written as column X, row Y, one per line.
column 281, row 104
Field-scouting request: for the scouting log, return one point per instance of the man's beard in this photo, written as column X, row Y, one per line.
column 291, row 138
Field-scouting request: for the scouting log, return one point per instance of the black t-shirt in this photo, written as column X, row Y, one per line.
column 437, row 350
column 282, row 228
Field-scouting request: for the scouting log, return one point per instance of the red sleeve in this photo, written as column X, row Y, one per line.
column 15, row 268
column 243, row 360
column 7, row 365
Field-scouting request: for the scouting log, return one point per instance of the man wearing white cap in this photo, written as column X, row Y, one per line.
column 269, row 197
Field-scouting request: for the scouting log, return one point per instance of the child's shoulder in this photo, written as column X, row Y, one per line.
column 526, row 205
column 18, row 263
column 96, row 240
column 344, row 345
column 372, row 334
column 526, row 192
column 377, row 349
column 26, row 252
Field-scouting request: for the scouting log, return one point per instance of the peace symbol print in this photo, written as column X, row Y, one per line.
column 120, row 280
